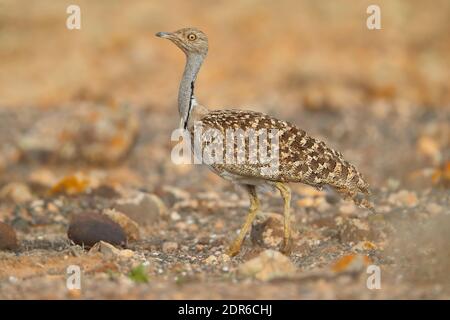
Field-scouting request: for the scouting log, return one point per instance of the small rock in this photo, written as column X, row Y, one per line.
column 434, row 208
column 224, row 258
column 169, row 247
column 71, row 185
column 404, row 198
column 352, row 230
column 270, row 264
column 51, row 207
column 364, row 246
column 110, row 252
column 8, row 238
column 351, row 263
column 105, row 191
column 130, row 227
column 175, row 216
column 89, row 228
column 43, row 177
column 430, row 148
column 218, row 258
column 211, row 260
column 268, row 230
column 16, row 192
column 126, row 253
column 145, row 209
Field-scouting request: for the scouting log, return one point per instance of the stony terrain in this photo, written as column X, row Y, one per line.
column 85, row 141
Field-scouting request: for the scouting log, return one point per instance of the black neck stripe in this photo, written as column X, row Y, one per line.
column 190, row 105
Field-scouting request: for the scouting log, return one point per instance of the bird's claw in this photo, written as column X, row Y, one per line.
column 286, row 247
column 233, row 250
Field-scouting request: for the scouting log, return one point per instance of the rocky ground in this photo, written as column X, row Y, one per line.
column 94, row 159
column 174, row 223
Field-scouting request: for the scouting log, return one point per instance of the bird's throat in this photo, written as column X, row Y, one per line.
column 186, row 99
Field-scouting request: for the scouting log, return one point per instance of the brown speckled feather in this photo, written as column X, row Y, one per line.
column 301, row 157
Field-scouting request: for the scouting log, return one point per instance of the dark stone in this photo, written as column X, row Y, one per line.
column 8, row 238
column 89, row 228
column 105, row 192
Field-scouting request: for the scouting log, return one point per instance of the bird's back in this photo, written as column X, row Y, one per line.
column 301, row 158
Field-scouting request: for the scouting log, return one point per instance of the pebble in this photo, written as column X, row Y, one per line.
column 211, row 260
column 270, row 264
column 110, row 252
column 43, row 177
column 8, row 238
column 364, row 246
column 217, row 259
column 89, row 228
column 16, row 192
column 130, row 227
column 224, row 258
column 169, row 247
column 352, row 230
column 351, row 263
column 72, row 184
column 434, row 208
column 175, row 216
column 404, row 198
column 430, row 148
column 145, row 209
column 268, row 230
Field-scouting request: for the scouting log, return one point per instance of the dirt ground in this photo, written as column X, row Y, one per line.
column 85, row 123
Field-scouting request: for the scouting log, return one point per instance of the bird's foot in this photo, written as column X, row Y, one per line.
column 286, row 247
column 233, row 249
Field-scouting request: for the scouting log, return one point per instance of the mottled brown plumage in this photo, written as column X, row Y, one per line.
column 301, row 157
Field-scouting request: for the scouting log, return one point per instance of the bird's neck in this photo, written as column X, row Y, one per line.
column 186, row 99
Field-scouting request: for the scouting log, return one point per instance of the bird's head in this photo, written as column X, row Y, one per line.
column 190, row 40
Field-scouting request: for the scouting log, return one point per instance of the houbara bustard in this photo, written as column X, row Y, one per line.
column 301, row 158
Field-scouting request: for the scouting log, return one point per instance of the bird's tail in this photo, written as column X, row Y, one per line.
column 351, row 185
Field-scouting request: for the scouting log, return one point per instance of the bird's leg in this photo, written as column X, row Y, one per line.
column 285, row 192
column 235, row 247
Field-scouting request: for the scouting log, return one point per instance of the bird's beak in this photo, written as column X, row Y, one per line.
column 163, row 34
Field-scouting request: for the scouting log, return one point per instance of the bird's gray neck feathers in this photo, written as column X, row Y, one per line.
column 186, row 100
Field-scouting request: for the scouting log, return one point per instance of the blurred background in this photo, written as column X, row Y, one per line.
column 290, row 53
column 294, row 59
column 84, row 109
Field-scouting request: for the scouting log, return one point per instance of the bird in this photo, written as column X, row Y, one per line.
column 301, row 158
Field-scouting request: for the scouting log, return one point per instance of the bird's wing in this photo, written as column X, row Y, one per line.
column 301, row 158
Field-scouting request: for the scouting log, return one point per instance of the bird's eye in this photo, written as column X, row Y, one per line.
column 191, row 37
